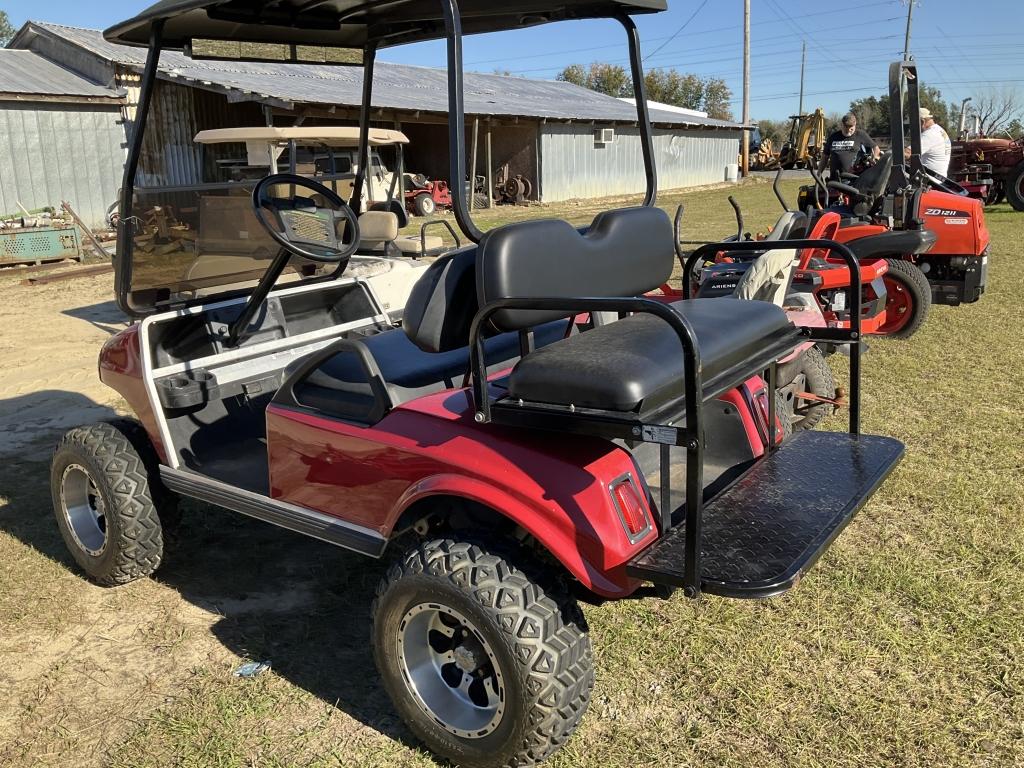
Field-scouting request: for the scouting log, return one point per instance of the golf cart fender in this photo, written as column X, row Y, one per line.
column 120, row 368
column 592, row 547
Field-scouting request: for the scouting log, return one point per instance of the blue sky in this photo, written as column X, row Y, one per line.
column 849, row 45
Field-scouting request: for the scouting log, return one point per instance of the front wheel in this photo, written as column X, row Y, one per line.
column 484, row 666
column 1015, row 188
column 907, row 301
column 105, row 497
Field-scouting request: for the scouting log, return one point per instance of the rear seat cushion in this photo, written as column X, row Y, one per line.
column 637, row 363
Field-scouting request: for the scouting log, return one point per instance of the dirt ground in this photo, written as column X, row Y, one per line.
column 904, row 646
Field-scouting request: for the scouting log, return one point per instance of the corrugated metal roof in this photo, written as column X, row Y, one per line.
column 26, row 74
column 396, row 86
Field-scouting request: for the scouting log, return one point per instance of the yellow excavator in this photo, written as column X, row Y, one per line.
column 802, row 149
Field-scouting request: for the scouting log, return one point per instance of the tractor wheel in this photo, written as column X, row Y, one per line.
column 424, row 205
column 810, row 374
column 908, row 299
column 1015, row 188
column 996, row 194
column 484, row 666
column 105, row 495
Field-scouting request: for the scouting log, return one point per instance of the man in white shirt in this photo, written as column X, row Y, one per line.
column 935, row 144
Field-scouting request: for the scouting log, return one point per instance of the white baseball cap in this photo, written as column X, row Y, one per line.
column 926, row 114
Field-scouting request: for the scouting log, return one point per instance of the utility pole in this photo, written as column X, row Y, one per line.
column 746, row 87
column 906, row 40
column 803, row 64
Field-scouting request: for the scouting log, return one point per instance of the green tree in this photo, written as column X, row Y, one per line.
column 873, row 111
column 668, row 86
column 609, row 79
column 7, row 29
column 717, row 96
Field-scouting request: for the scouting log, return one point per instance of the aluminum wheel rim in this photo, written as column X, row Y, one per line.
column 84, row 509
column 450, row 670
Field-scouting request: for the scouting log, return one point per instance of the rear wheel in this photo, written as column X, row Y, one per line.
column 424, row 205
column 1015, row 188
column 908, row 299
column 484, row 666
column 105, row 499
column 809, row 374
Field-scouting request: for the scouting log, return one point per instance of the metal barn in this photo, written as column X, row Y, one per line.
column 570, row 142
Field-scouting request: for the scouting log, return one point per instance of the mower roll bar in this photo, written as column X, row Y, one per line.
column 834, row 335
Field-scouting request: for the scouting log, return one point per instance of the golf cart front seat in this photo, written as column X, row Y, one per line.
column 632, row 365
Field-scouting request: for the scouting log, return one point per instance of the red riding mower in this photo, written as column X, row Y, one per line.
column 503, row 461
column 904, row 202
column 812, row 287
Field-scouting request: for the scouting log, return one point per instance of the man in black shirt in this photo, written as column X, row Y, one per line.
column 844, row 146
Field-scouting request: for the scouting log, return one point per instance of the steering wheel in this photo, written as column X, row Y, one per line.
column 313, row 223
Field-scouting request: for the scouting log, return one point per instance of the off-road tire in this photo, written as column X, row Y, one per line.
column 114, row 456
column 424, row 205
column 818, row 380
column 1015, row 188
column 784, row 416
column 539, row 641
column 913, row 281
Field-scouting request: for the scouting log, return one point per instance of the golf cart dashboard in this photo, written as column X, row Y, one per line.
column 287, row 315
column 194, row 364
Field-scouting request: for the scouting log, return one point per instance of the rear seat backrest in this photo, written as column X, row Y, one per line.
column 626, row 252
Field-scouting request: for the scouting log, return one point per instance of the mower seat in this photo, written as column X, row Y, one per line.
column 636, row 364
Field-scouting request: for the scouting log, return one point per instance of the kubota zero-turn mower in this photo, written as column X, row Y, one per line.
column 900, row 199
column 502, row 460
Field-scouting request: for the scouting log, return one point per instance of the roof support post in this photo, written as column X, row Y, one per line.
column 125, row 234
column 642, row 110
column 457, row 122
column 369, row 57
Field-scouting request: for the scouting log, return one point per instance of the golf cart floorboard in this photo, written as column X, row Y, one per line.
column 765, row 531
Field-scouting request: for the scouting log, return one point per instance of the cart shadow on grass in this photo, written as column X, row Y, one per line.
column 301, row 604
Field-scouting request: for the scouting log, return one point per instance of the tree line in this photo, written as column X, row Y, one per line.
column 669, row 86
column 1001, row 112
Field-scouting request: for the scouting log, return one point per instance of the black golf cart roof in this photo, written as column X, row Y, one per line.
column 351, row 23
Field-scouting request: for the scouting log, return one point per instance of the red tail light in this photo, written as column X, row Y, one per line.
column 632, row 509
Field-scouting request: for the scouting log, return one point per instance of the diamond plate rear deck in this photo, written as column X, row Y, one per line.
column 767, row 529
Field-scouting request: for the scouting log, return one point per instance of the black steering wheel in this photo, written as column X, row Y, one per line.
column 311, row 222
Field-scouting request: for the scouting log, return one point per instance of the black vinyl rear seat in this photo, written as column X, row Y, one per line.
column 634, row 364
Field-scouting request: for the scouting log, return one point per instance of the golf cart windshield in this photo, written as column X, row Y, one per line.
column 183, row 241
column 192, row 241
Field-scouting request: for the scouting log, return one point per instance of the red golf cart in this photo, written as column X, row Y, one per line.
column 504, row 460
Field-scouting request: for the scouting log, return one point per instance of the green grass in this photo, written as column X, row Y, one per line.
column 903, row 647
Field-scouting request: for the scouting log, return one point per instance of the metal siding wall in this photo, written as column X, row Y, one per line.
column 574, row 167
column 55, row 152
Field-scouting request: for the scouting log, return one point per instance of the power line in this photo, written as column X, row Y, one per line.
column 675, row 34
